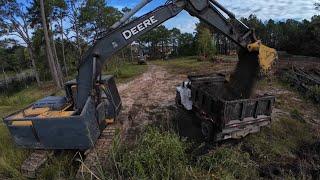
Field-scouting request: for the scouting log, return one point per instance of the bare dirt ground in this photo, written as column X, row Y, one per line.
column 151, row 91
column 287, row 99
column 155, row 89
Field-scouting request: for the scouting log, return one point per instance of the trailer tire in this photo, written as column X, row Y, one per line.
column 188, row 116
column 207, row 130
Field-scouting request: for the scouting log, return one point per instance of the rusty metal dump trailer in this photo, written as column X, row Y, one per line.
column 221, row 119
column 52, row 123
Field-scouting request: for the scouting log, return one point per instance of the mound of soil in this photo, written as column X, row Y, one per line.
column 243, row 79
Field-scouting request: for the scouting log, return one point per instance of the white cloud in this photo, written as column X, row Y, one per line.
column 264, row 9
column 272, row 9
column 183, row 21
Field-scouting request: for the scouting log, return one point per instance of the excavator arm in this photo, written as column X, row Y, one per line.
column 209, row 11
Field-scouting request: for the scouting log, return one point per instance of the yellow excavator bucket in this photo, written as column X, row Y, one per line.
column 267, row 55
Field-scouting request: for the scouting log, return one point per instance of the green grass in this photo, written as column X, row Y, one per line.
column 11, row 156
column 278, row 147
column 314, row 93
column 190, row 65
column 228, row 163
column 161, row 154
column 157, row 155
column 280, row 140
column 59, row 167
column 183, row 65
column 125, row 71
column 10, row 74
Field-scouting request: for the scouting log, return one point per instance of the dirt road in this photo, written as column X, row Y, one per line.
column 148, row 93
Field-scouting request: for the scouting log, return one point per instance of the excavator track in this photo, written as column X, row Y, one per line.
column 31, row 166
column 95, row 157
column 98, row 156
column 90, row 166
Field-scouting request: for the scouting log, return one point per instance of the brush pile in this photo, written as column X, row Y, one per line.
column 305, row 80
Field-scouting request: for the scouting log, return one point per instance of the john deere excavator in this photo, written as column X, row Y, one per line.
column 92, row 100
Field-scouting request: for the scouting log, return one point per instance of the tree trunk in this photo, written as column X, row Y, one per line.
column 63, row 53
column 78, row 41
column 50, row 55
column 123, row 56
column 34, row 67
column 131, row 54
column 55, row 55
column 51, row 64
column 5, row 76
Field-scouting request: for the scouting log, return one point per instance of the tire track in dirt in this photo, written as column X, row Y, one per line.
column 148, row 92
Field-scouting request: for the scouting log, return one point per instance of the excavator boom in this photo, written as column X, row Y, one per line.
column 208, row 11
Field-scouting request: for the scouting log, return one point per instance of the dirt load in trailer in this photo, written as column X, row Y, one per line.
column 222, row 119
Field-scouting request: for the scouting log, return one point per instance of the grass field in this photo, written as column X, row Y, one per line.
column 11, row 74
column 125, row 71
column 183, row 65
column 190, row 65
column 11, row 157
column 286, row 149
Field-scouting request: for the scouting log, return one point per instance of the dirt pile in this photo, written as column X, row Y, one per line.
column 243, row 79
column 144, row 96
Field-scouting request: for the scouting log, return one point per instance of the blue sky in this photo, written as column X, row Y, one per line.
column 265, row 9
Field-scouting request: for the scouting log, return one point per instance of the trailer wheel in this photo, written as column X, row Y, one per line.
column 187, row 124
column 207, row 130
column 188, row 116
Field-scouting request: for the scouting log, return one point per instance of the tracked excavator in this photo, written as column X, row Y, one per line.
column 92, row 100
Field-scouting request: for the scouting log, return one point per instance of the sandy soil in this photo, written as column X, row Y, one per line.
column 146, row 94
